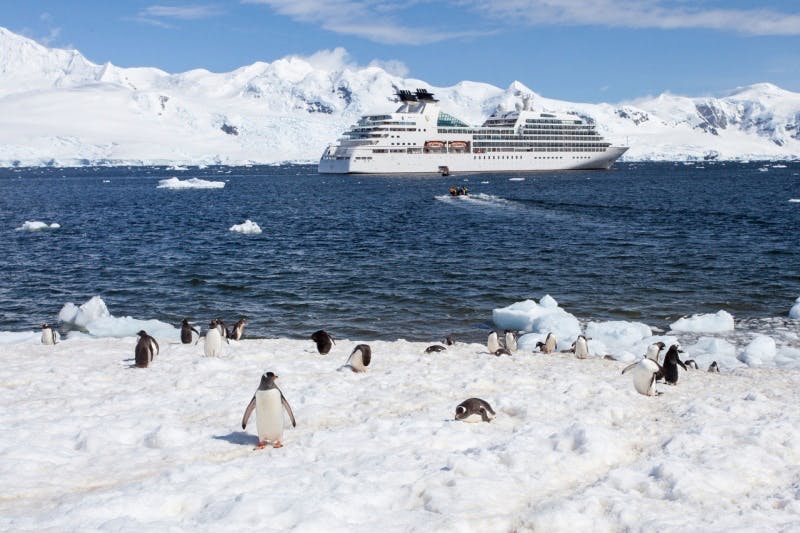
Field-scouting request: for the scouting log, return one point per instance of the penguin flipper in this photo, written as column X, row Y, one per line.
column 629, row 367
column 158, row 350
column 288, row 409
column 249, row 411
column 366, row 355
column 484, row 416
column 681, row 363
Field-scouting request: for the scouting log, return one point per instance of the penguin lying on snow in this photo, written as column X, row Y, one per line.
column 434, row 348
column 501, row 351
column 323, row 341
column 474, row 410
column 269, row 403
column 146, row 350
column 359, row 358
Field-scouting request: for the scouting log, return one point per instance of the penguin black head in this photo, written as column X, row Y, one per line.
column 142, row 333
column 185, row 322
column 461, row 412
column 450, row 340
column 45, row 325
column 267, row 380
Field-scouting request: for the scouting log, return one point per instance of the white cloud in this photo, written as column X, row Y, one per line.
column 188, row 12
column 659, row 14
column 373, row 20
column 339, row 59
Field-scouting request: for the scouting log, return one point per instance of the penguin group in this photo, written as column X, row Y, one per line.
column 508, row 347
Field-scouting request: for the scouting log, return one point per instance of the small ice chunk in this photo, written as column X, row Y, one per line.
column 718, row 322
column 248, row 227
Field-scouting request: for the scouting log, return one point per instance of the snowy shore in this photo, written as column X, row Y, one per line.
column 91, row 443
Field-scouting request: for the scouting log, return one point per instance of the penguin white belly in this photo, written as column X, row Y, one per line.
column 643, row 380
column 47, row 337
column 269, row 415
column 492, row 343
column 213, row 344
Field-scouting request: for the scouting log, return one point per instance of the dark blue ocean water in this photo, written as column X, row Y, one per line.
column 388, row 257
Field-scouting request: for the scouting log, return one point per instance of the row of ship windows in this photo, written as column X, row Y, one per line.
column 534, row 145
column 476, row 157
column 526, row 130
column 440, row 151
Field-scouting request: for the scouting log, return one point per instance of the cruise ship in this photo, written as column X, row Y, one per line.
column 421, row 138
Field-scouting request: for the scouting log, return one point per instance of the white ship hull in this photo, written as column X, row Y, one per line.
column 365, row 162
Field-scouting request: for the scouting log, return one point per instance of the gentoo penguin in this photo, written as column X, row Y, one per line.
column 691, row 363
column 238, row 329
column 213, row 343
column 511, row 341
column 49, row 335
column 549, row 344
column 474, row 410
column 360, row 357
column 492, row 343
column 501, row 351
column 323, row 340
column 450, row 340
column 186, row 332
column 434, row 348
column 146, row 349
column 644, row 375
column 713, row 367
column 223, row 330
column 654, row 350
column 670, row 366
column 581, row 347
column 268, row 402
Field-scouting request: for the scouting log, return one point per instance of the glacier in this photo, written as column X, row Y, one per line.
column 60, row 109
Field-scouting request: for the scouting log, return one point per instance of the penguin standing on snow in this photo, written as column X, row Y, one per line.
column 238, row 329
column 492, row 343
column 511, row 341
column 474, row 410
column 654, row 350
column 49, row 335
column 269, row 403
column 549, row 344
column 359, row 358
column 213, row 342
column 713, row 367
column 146, row 350
column 323, row 341
column 644, row 374
column 581, row 347
column 186, row 332
column 670, row 366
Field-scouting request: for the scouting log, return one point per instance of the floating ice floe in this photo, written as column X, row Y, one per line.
column 36, row 225
column 191, row 183
column 794, row 200
column 94, row 318
column 794, row 312
column 718, row 322
column 516, row 179
column 248, row 227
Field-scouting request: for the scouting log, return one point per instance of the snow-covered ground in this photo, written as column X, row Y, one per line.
column 60, row 109
column 88, row 442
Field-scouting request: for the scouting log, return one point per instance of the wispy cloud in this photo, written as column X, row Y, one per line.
column 181, row 12
column 658, row 14
column 377, row 21
column 53, row 31
column 155, row 15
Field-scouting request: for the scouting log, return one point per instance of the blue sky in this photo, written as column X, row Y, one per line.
column 576, row 50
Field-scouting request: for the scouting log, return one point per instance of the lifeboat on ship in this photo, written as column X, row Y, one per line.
column 434, row 144
column 458, row 145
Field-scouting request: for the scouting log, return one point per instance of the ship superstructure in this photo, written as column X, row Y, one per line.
column 421, row 138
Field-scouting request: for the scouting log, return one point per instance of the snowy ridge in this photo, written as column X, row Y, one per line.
column 61, row 109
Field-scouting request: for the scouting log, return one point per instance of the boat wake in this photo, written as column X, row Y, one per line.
column 478, row 199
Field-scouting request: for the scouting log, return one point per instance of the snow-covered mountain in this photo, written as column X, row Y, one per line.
column 59, row 108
